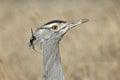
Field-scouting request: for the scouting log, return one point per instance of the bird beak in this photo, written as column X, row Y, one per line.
column 72, row 24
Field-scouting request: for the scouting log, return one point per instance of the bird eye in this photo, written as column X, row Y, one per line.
column 54, row 27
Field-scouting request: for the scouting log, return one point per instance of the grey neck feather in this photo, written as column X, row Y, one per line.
column 52, row 61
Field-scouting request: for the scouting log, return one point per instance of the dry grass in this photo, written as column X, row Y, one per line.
column 89, row 52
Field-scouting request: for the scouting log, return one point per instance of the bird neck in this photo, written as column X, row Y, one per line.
column 52, row 61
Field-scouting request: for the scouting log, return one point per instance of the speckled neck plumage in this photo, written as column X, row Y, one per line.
column 52, row 61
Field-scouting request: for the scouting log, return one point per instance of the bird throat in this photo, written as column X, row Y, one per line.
column 52, row 61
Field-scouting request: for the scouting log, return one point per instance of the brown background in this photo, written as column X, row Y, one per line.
column 90, row 51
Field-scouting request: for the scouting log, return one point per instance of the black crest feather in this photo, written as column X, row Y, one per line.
column 55, row 21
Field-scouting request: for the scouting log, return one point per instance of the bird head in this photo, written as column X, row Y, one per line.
column 53, row 31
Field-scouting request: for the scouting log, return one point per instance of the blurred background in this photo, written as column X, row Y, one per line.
column 90, row 51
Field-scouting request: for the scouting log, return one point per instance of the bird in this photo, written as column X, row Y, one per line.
column 48, row 36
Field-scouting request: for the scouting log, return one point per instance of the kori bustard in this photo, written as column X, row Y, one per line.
column 48, row 37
